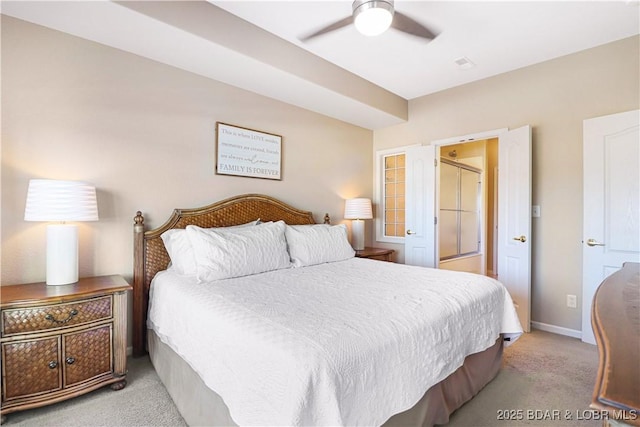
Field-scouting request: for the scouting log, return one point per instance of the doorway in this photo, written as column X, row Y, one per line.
column 467, row 188
column 513, row 210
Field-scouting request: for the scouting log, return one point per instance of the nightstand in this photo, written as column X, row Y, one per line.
column 381, row 254
column 59, row 342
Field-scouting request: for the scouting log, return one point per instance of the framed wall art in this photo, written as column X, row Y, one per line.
column 247, row 152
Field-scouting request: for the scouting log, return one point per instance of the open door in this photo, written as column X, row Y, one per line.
column 514, row 212
column 419, row 242
column 514, row 219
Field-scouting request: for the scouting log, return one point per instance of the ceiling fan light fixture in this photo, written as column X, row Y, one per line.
column 372, row 17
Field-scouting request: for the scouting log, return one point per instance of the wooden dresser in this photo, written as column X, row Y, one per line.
column 60, row 342
column 615, row 316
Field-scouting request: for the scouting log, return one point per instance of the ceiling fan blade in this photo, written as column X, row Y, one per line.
column 336, row 25
column 407, row 25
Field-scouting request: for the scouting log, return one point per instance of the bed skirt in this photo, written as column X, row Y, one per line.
column 200, row 406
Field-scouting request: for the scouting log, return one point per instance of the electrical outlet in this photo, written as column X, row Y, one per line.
column 572, row 301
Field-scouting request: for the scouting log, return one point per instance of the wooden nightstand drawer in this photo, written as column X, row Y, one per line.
column 46, row 317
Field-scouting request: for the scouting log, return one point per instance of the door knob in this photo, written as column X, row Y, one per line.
column 521, row 239
column 594, row 242
column 410, row 232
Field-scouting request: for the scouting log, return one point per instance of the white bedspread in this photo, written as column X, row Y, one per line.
column 345, row 343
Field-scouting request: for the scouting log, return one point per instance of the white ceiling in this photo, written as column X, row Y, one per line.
column 497, row 36
column 361, row 80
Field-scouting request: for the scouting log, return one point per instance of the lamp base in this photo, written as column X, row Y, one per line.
column 62, row 254
column 357, row 229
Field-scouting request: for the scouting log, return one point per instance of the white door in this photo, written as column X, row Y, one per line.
column 419, row 242
column 514, row 213
column 514, row 219
column 611, row 219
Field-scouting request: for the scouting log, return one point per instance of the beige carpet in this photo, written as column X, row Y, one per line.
column 546, row 380
column 544, row 376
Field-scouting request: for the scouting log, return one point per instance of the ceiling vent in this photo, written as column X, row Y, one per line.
column 464, row 63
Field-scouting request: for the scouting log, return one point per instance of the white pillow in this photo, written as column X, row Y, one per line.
column 221, row 254
column 317, row 244
column 181, row 252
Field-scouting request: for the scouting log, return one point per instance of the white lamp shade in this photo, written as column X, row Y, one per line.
column 54, row 200
column 359, row 208
column 373, row 17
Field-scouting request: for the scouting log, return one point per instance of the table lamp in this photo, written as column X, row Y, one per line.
column 61, row 201
column 358, row 210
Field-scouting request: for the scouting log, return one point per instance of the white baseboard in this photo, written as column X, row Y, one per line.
column 557, row 329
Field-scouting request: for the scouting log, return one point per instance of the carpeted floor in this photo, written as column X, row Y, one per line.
column 143, row 402
column 546, row 380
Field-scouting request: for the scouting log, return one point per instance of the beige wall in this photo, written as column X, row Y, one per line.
column 143, row 134
column 554, row 98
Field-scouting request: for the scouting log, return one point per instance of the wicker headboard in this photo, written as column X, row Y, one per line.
column 150, row 255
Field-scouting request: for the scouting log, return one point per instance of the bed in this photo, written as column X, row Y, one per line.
column 321, row 338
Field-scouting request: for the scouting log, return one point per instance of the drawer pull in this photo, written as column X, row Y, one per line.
column 70, row 360
column 53, row 364
column 71, row 315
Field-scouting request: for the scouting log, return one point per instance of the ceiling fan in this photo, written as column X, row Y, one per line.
column 373, row 17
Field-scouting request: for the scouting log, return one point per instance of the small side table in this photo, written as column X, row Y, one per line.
column 58, row 342
column 381, row 254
